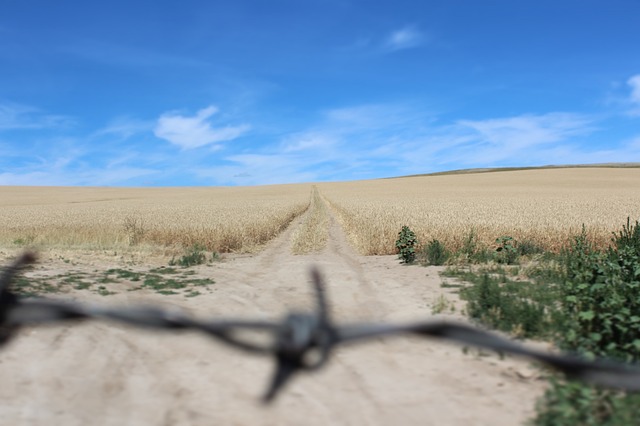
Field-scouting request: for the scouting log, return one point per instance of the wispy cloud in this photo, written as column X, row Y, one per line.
column 525, row 131
column 404, row 38
column 196, row 131
column 16, row 116
column 125, row 127
column 634, row 83
column 368, row 141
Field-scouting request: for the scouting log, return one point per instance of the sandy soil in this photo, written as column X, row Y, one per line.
column 106, row 374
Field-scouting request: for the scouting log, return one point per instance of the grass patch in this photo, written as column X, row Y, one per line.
column 163, row 280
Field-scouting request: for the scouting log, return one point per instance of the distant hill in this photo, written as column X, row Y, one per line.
column 511, row 169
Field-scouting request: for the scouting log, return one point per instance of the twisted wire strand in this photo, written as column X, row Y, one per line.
column 301, row 341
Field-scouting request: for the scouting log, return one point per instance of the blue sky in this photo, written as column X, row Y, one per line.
column 166, row 93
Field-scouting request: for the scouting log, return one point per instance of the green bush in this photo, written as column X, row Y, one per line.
column 506, row 252
column 195, row 255
column 572, row 403
column 435, row 253
column 601, row 297
column 529, row 248
column 471, row 251
column 521, row 308
column 406, row 245
column 601, row 305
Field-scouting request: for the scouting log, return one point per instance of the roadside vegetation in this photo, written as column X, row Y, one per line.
column 584, row 298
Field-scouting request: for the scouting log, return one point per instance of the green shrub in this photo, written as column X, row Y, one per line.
column 572, row 403
column 529, row 248
column 196, row 255
column 523, row 308
column 406, row 245
column 601, row 304
column 601, row 297
column 506, row 252
column 471, row 251
column 435, row 253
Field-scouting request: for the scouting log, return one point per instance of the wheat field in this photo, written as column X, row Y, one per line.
column 223, row 219
column 543, row 206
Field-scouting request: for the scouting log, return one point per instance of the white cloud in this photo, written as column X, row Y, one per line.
column 124, row 127
column 196, row 131
column 634, row 98
column 404, row 38
column 527, row 130
column 16, row 116
column 634, row 82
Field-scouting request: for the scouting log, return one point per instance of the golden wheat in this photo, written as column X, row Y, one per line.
column 223, row 219
column 545, row 207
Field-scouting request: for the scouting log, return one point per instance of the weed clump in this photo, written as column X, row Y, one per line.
column 435, row 253
column 196, row 255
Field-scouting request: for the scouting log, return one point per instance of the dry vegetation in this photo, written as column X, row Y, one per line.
column 312, row 235
column 541, row 206
column 544, row 207
column 222, row 219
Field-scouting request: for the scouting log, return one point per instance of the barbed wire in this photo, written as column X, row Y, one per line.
column 302, row 341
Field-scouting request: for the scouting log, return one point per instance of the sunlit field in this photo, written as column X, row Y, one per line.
column 223, row 219
column 544, row 206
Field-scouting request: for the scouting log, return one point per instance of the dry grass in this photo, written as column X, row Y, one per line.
column 542, row 206
column 545, row 207
column 222, row 219
column 312, row 235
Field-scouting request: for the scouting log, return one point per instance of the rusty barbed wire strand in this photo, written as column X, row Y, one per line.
column 301, row 341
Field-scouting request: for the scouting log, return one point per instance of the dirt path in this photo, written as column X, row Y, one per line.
column 105, row 374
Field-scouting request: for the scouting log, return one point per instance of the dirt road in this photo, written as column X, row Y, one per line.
column 105, row 374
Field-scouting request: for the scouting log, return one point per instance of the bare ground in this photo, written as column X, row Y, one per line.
column 106, row 374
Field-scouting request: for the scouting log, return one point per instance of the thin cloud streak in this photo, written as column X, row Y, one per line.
column 124, row 128
column 15, row 116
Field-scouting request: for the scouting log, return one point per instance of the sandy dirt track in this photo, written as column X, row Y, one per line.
column 106, row 374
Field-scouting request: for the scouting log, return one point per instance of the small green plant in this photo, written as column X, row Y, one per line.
column 471, row 251
column 435, row 253
column 406, row 245
column 102, row 291
column 529, row 248
column 523, row 308
column 506, row 252
column 194, row 256
column 24, row 241
column 442, row 304
column 470, row 243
